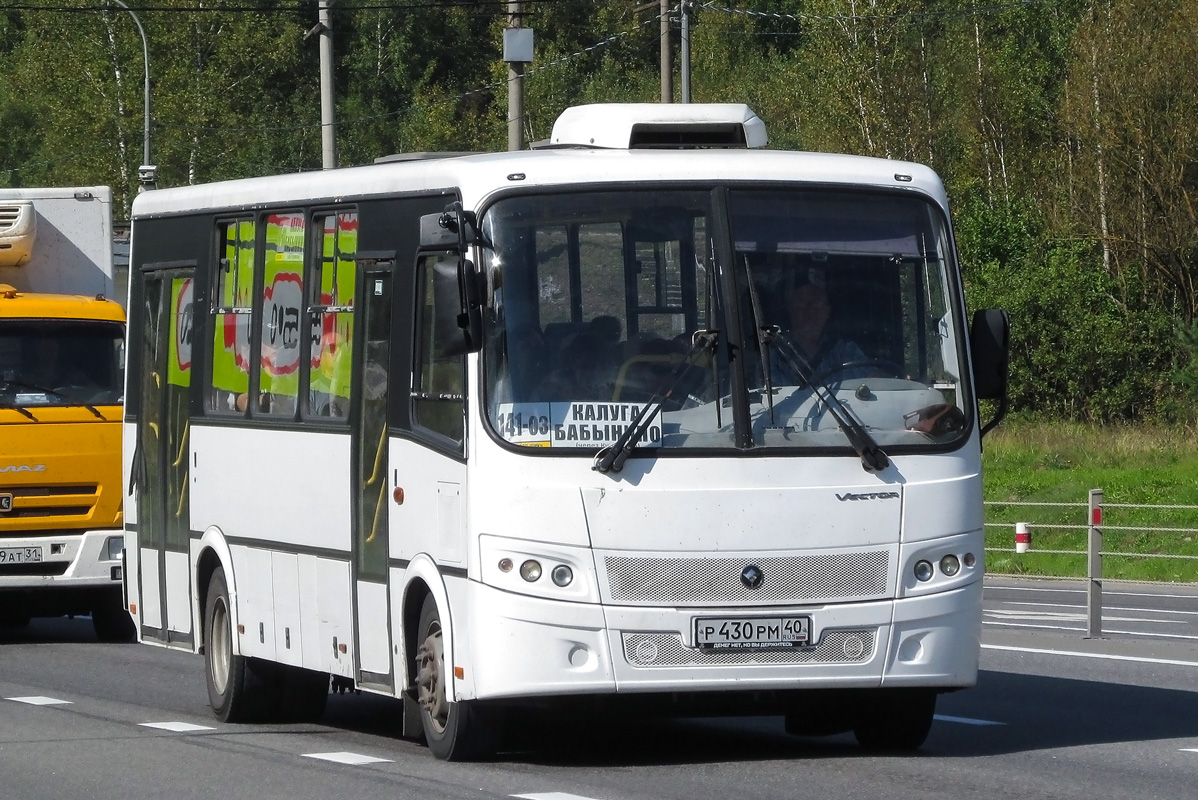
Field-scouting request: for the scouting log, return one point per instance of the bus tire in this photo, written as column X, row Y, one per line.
column 240, row 689
column 895, row 720
column 461, row 731
column 111, row 620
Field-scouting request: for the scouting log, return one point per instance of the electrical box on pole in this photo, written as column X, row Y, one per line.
column 517, row 51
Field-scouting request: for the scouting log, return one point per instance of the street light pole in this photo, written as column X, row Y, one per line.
column 145, row 172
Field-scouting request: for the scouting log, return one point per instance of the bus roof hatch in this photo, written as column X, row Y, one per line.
column 658, row 125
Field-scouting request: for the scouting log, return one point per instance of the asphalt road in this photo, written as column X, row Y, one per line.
column 1055, row 714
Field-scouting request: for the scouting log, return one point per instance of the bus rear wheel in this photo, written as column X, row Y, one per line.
column 461, row 731
column 895, row 720
column 240, row 689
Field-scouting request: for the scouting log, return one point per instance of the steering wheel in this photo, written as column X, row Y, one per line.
column 883, row 368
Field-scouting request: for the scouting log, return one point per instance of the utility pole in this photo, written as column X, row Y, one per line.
column 146, row 173
column 328, row 110
column 517, row 52
column 667, row 66
column 685, row 54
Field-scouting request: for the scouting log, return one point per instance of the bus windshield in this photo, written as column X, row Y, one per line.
column 802, row 305
column 61, row 362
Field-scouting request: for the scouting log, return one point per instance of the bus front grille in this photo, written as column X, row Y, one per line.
column 700, row 580
column 668, row 650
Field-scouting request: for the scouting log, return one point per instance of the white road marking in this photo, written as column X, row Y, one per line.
column 346, row 758
column 1103, row 656
column 1104, row 608
column 1189, row 749
column 1067, row 616
column 39, row 701
column 1081, row 590
column 966, row 720
column 177, row 727
column 551, row 796
column 1105, row 630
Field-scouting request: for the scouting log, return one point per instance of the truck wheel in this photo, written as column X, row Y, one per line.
column 461, row 731
column 240, row 689
column 112, row 620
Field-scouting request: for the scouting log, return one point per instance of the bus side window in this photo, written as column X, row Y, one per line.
column 330, row 314
column 227, row 391
column 282, row 298
column 439, row 402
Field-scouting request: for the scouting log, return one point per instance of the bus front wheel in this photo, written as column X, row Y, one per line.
column 895, row 720
column 461, row 731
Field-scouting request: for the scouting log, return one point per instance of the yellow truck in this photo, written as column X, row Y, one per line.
column 62, row 360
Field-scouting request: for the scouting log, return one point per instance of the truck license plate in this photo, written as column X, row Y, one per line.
column 752, row 633
column 20, row 555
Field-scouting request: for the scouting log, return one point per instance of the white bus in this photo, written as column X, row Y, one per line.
column 487, row 431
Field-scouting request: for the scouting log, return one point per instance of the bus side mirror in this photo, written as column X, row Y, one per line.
column 457, row 295
column 435, row 235
column 451, row 229
column 990, row 346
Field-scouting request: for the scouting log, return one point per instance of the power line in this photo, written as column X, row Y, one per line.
column 302, row 6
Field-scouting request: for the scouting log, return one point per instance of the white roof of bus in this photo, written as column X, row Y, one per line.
column 478, row 176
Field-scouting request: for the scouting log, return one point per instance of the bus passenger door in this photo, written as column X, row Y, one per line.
column 163, row 461
column 369, row 480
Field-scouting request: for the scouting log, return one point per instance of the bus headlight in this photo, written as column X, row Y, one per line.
column 950, row 565
column 562, row 575
column 924, row 571
column 539, row 569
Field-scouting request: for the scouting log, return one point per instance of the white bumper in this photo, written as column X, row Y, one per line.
column 525, row 647
column 74, row 559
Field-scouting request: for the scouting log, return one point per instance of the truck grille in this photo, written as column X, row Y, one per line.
column 9, row 216
column 39, row 502
column 788, row 579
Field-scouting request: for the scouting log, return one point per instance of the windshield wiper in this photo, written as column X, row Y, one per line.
column 765, row 336
column 20, row 409
column 612, row 458
column 36, row 387
column 873, row 459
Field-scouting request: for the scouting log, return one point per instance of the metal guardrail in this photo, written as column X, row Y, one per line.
column 1094, row 527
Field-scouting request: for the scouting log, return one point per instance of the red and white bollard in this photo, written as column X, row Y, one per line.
column 1023, row 537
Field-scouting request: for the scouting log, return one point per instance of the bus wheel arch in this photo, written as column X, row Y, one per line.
column 207, row 564
column 213, row 555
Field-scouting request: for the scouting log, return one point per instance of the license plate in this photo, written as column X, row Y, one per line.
column 752, row 633
column 20, row 555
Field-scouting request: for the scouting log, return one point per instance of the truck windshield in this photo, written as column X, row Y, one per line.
column 597, row 298
column 60, row 362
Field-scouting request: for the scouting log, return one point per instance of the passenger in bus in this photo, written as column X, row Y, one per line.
column 808, row 311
